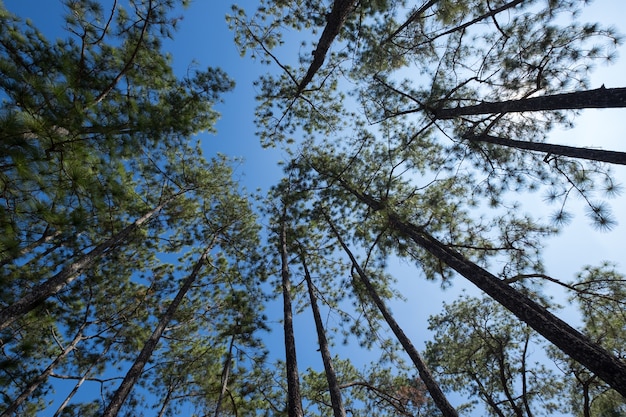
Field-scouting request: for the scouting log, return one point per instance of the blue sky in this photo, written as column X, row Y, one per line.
column 204, row 38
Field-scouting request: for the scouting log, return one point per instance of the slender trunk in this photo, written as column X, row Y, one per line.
column 504, row 380
column 573, row 343
column 294, row 400
column 225, row 375
column 41, row 378
column 600, row 98
column 135, row 370
column 488, row 398
column 68, row 274
column 80, row 382
column 331, row 377
column 525, row 393
column 610, row 157
column 586, row 400
column 425, row 374
column 166, row 401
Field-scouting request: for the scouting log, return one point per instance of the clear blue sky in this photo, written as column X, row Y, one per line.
column 204, row 37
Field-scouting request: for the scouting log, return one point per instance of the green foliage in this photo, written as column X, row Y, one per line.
column 482, row 351
column 95, row 136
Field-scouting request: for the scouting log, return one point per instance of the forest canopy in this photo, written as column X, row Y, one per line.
column 140, row 276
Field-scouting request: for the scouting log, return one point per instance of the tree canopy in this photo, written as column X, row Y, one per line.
column 138, row 276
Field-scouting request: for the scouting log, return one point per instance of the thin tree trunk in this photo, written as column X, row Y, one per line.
column 333, row 385
column 525, row 393
column 294, row 400
column 599, row 98
column 68, row 274
column 80, row 382
column 41, row 378
column 166, row 401
column 610, row 157
column 135, row 370
column 425, row 374
column 225, row 375
column 573, row 343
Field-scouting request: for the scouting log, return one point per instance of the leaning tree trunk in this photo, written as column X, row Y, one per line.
column 573, row 343
column 135, row 370
column 424, row 372
column 329, row 370
column 225, row 375
column 86, row 374
column 41, row 378
column 294, row 400
column 334, row 22
column 600, row 98
column 610, row 157
column 68, row 274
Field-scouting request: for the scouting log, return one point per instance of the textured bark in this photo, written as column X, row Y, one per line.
column 331, row 376
column 573, row 343
column 136, row 369
column 424, row 372
column 68, row 274
column 335, row 20
column 294, row 399
column 610, row 157
column 600, row 98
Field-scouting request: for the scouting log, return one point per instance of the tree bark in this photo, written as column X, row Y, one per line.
column 600, row 98
column 294, row 399
column 424, row 372
column 335, row 20
column 610, row 157
column 573, row 343
column 333, row 385
column 136, row 369
column 68, row 274
column 562, row 335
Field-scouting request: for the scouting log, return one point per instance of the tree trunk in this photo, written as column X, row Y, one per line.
column 600, row 98
column 329, row 370
column 44, row 375
column 573, row 343
column 610, row 157
column 335, row 20
column 135, row 370
column 225, row 375
column 294, row 400
column 424, row 372
column 68, row 274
